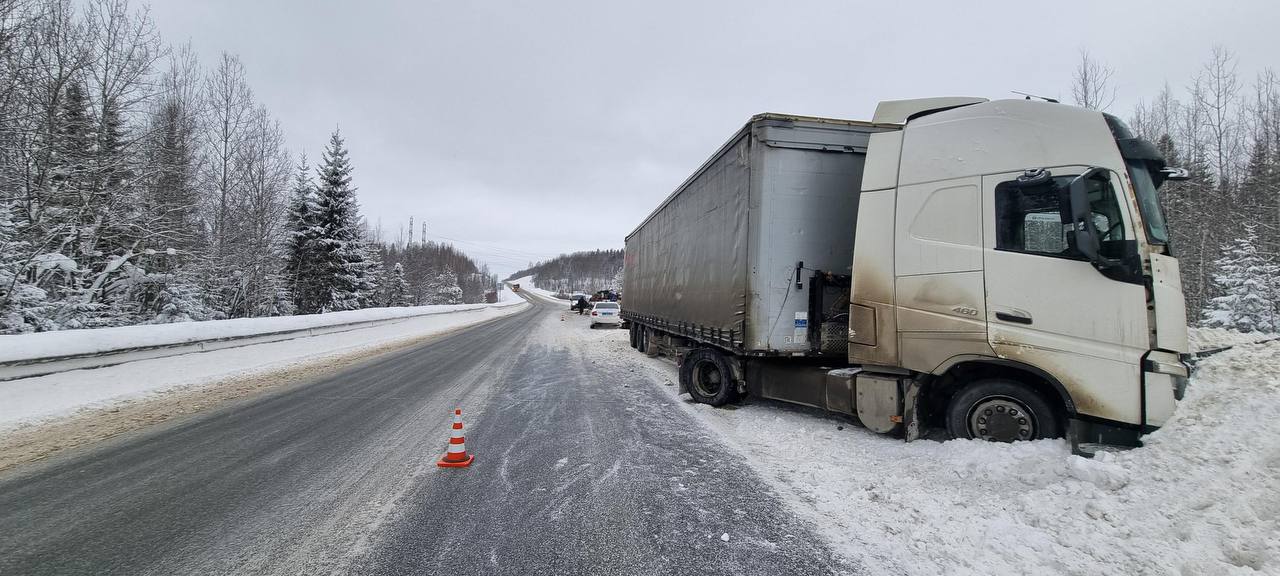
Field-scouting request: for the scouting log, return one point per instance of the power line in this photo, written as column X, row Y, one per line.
column 497, row 249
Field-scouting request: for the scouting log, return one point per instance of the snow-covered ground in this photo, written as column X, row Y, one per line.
column 1214, row 338
column 94, row 341
column 526, row 285
column 33, row 400
column 1202, row 497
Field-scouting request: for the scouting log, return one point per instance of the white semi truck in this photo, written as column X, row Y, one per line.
column 997, row 269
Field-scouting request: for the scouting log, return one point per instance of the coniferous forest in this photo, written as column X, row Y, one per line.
column 140, row 185
column 580, row 271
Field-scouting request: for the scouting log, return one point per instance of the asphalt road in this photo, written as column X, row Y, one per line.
column 580, row 468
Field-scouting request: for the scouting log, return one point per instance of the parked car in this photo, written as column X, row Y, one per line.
column 575, row 298
column 606, row 313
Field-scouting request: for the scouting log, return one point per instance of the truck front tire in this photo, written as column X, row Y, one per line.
column 1000, row 410
column 707, row 376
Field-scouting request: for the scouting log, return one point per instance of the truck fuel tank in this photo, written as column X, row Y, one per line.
column 877, row 399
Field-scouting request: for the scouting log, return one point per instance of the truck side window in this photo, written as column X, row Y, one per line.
column 1029, row 218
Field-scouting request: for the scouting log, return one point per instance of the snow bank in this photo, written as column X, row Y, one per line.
column 526, row 285
column 1203, row 496
column 1212, row 338
column 21, row 347
column 32, row 400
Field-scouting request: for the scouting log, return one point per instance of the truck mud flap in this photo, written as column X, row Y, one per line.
column 911, row 409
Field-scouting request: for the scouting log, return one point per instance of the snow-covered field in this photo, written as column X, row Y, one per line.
column 32, row 400
column 1202, row 497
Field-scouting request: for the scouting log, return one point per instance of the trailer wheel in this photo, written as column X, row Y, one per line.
column 708, row 377
column 642, row 339
column 631, row 336
column 1000, row 410
column 651, row 349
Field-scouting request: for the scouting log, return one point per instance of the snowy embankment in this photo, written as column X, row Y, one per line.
column 65, row 343
column 526, row 285
column 1202, row 497
column 32, row 400
column 1209, row 339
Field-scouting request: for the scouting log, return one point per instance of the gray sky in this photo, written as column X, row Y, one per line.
column 494, row 121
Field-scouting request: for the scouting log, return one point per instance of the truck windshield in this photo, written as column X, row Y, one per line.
column 1143, row 185
column 1148, row 202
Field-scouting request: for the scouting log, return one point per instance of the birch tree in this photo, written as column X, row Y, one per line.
column 1091, row 84
column 228, row 108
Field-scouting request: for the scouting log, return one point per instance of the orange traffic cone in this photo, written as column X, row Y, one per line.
column 457, row 456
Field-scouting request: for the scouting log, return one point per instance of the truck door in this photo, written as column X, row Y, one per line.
column 1049, row 307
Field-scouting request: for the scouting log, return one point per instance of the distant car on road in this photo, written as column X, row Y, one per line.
column 606, row 313
column 575, row 298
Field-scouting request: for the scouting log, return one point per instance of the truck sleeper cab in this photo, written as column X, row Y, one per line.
column 1010, row 279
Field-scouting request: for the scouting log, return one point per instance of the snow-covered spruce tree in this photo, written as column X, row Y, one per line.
column 180, row 298
column 170, row 290
column 442, row 287
column 70, row 212
column 375, row 273
column 23, row 306
column 300, row 249
column 397, row 291
column 1248, row 284
column 341, row 279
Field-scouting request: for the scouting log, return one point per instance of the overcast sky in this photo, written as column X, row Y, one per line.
column 525, row 129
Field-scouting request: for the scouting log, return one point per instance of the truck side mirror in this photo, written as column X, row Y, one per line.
column 1082, row 214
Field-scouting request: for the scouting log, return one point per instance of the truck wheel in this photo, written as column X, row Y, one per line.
column 642, row 339
column 999, row 410
column 631, row 336
column 650, row 349
column 708, row 378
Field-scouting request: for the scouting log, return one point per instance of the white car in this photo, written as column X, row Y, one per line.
column 606, row 313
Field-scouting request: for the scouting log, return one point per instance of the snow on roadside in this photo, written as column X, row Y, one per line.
column 98, row 340
column 506, row 295
column 1211, row 338
column 1203, row 496
column 31, row 401
column 526, row 285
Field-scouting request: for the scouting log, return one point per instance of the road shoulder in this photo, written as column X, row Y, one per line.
column 90, row 425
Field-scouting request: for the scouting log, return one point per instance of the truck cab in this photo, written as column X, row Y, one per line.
column 1012, row 276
